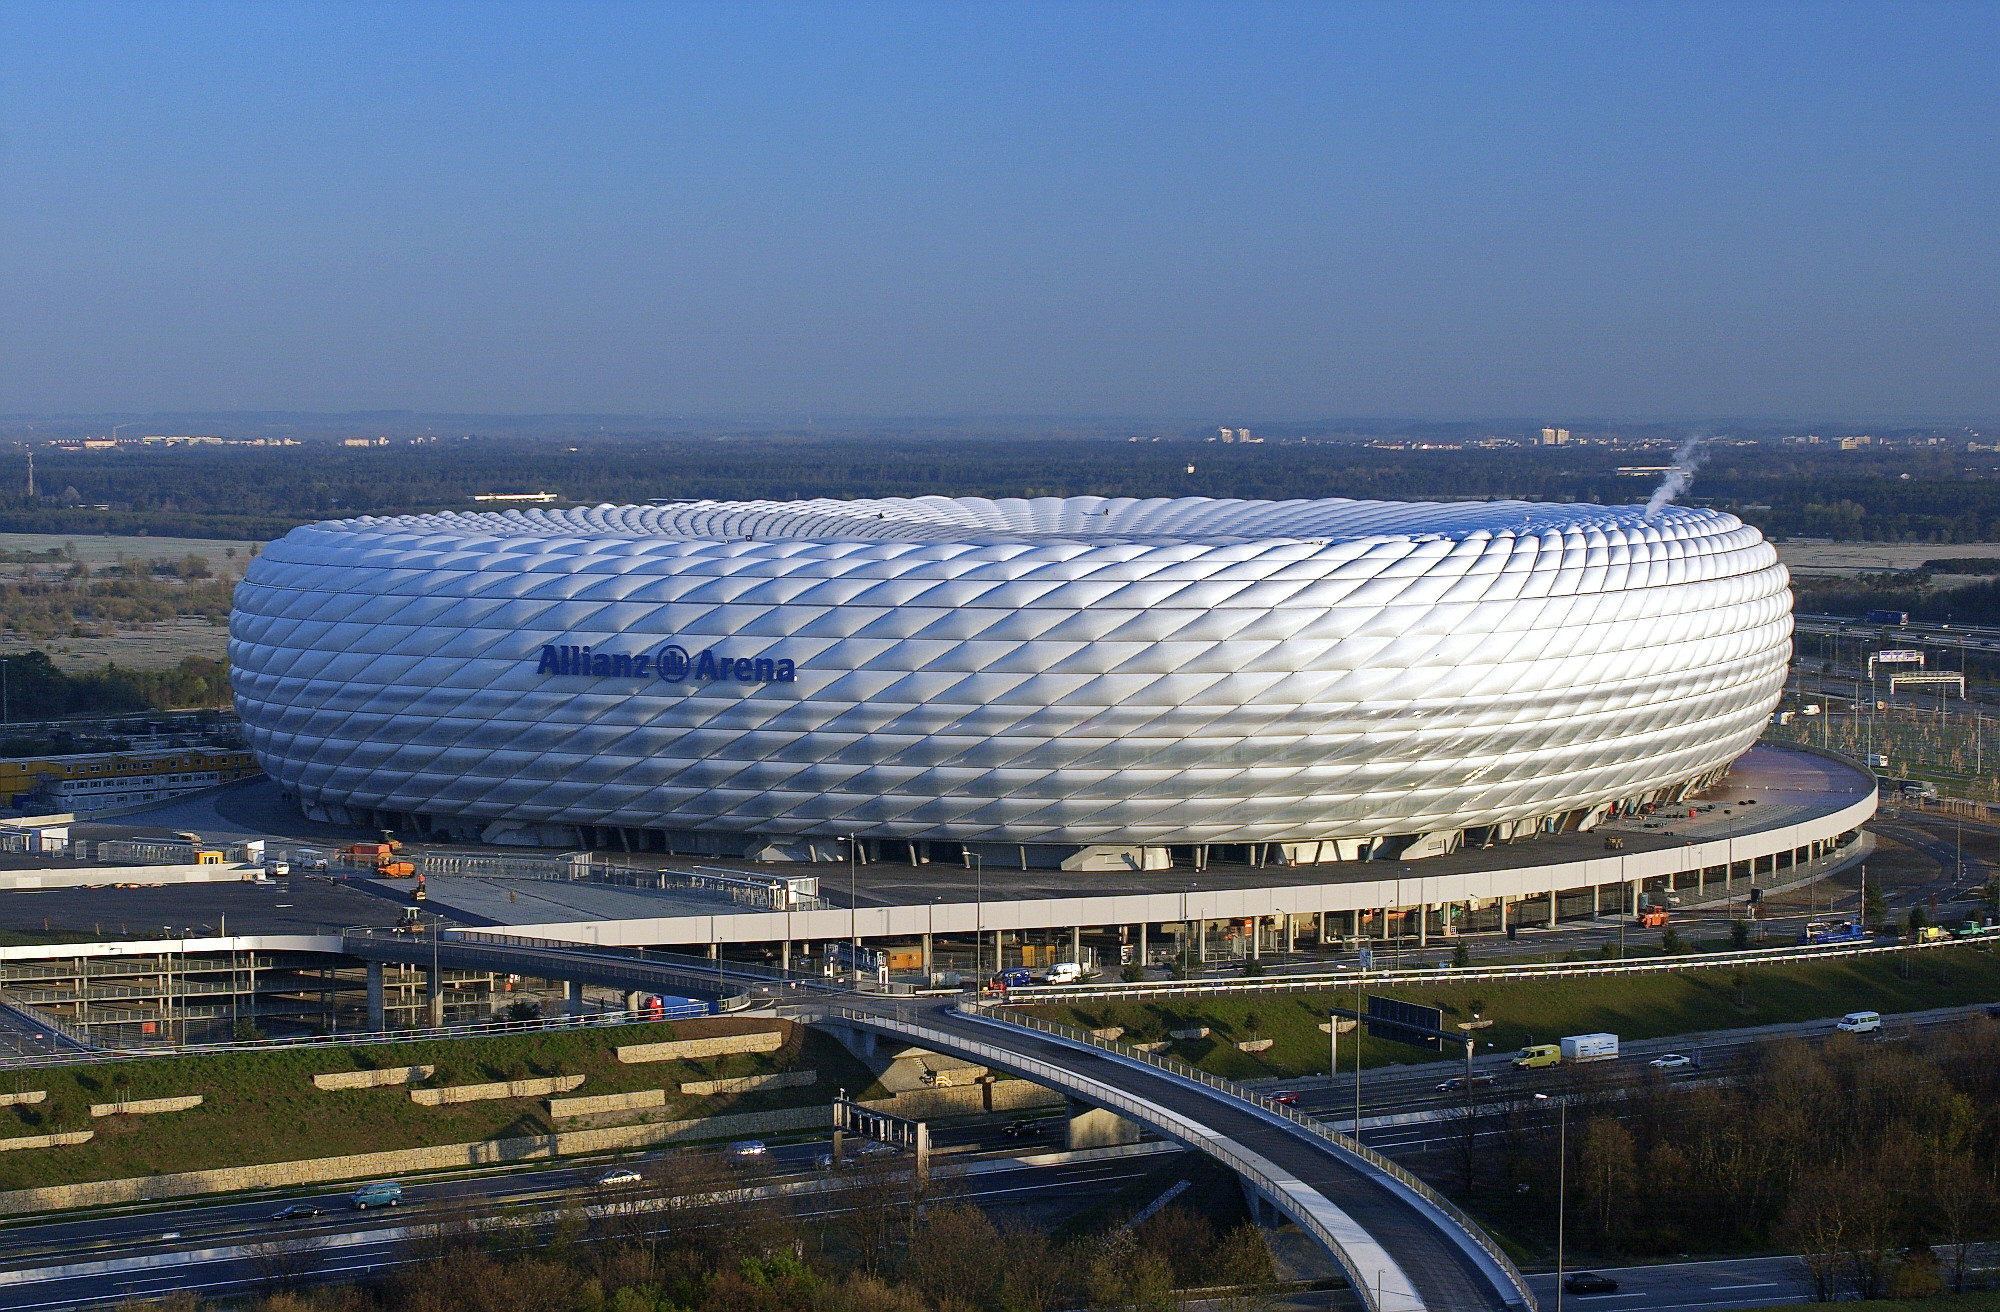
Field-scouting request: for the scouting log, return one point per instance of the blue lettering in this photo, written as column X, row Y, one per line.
column 549, row 662
column 642, row 665
column 704, row 666
column 600, row 664
column 744, row 669
column 766, row 670
column 787, row 672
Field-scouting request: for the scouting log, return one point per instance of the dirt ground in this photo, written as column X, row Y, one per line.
column 102, row 549
column 1847, row 558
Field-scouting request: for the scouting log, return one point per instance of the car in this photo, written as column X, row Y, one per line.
column 1588, row 1282
column 873, row 1148
column 1023, row 1129
column 622, row 1175
column 1286, row 1098
column 1457, row 1082
column 748, row 1148
column 296, row 1212
column 1668, row 1061
column 382, row 1193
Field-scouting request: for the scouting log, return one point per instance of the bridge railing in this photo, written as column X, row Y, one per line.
column 1366, row 1285
column 1333, row 981
column 549, row 961
column 1310, row 1125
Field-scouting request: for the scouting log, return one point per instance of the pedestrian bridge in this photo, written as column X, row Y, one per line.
column 1402, row 1246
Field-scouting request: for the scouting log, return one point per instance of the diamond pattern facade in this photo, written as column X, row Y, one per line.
column 1059, row 671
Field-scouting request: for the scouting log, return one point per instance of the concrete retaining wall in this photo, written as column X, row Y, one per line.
column 22, row 1099
column 721, row 1046
column 320, row 1170
column 608, row 1102
column 373, row 1079
column 80, row 876
column 751, row 1083
column 452, row 1093
column 62, row 1140
column 145, row 1106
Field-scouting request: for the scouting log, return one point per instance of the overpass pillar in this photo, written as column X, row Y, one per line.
column 573, row 997
column 434, row 994
column 1076, row 944
column 378, row 1019
column 1142, row 943
column 927, row 956
column 785, row 955
column 1291, row 933
column 1503, row 913
column 1596, row 899
column 1201, row 941
column 1552, row 908
column 1093, row 1127
column 1256, row 937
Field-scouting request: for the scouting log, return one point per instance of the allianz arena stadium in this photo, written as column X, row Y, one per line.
column 1058, row 681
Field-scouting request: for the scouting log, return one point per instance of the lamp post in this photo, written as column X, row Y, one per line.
column 1562, row 1183
column 978, row 864
column 853, row 920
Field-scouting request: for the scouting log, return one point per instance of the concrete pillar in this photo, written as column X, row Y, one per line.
column 1701, row 882
column 1201, row 941
column 1596, row 899
column 377, row 1012
column 1093, row 1127
column 1423, row 925
column 1552, row 908
column 1256, row 938
column 434, row 994
column 785, row 955
column 1076, row 944
column 573, row 997
column 1631, row 898
column 1291, row 933
column 714, row 950
column 1142, row 942
column 1503, row 913
column 927, row 956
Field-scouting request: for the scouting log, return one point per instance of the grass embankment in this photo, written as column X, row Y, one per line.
column 1631, row 1006
column 263, row 1106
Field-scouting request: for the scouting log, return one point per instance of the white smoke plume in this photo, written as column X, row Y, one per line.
column 1687, row 459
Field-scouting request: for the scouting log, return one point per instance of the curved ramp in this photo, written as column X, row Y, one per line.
column 609, row 969
column 1401, row 1250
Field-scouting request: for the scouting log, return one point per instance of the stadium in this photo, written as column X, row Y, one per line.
column 1081, row 683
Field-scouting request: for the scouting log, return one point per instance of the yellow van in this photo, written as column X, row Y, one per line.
column 1538, row 1055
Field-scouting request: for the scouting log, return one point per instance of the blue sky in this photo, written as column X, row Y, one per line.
column 1183, row 212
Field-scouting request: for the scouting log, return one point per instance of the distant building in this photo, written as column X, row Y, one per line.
column 99, row 781
column 1555, row 436
column 539, row 498
column 1855, row 443
column 364, row 441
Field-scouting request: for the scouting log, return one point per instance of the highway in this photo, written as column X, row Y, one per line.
column 217, row 1246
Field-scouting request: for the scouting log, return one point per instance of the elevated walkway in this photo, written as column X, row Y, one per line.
column 572, row 962
column 1403, row 1248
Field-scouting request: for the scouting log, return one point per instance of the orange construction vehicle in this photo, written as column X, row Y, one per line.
column 383, row 857
column 1653, row 917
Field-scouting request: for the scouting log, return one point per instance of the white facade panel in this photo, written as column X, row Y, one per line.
column 1047, row 672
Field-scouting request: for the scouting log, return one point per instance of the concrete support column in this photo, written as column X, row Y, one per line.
column 1256, row 938
column 1596, row 899
column 714, row 950
column 1291, row 933
column 1701, row 882
column 927, row 955
column 377, row 1011
column 1503, row 913
column 785, row 955
column 1554, row 897
column 434, row 994
column 1201, row 941
column 1142, row 943
column 1631, row 891
column 573, row 997
column 998, row 945
column 1423, row 925
column 1076, row 944
column 1093, row 1127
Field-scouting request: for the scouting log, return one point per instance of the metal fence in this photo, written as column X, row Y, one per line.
column 1327, row 981
column 1310, row 1125
column 765, row 892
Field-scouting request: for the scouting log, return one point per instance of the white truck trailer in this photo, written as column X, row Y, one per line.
column 1590, row 1047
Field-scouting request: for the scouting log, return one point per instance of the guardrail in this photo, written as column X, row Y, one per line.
column 1311, row 1125
column 1327, row 981
column 570, row 961
column 652, row 956
column 1221, row 1149
column 766, row 892
column 480, row 1029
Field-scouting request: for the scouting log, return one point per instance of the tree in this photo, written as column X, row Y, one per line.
column 1607, row 1174
column 1874, row 907
column 955, row 1256
column 1739, row 934
column 1461, row 953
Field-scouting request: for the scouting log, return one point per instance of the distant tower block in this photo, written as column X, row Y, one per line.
column 1555, row 436
column 1228, row 434
column 1243, row 435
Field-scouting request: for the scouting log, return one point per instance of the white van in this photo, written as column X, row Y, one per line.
column 1065, row 972
column 1860, row 1022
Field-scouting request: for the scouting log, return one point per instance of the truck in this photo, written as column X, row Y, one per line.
column 1590, row 1047
column 1977, row 928
column 1896, row 617
column 1846, row 931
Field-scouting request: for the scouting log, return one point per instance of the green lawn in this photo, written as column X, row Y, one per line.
column 263, row 1107
column 1633, row 1007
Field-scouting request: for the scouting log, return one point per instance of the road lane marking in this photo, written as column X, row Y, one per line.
column 1762, row 1284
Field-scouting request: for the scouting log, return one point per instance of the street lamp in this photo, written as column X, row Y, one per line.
column 978, row 864
column 1562, row 1183
column 853, row 919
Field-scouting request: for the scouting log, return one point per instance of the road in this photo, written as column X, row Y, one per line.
column 202, row 1245
column 1684, row 1286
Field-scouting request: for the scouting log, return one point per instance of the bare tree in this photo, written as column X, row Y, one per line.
column 282, row 1261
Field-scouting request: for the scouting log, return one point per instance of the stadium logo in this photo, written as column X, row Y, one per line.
column 673, row 664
